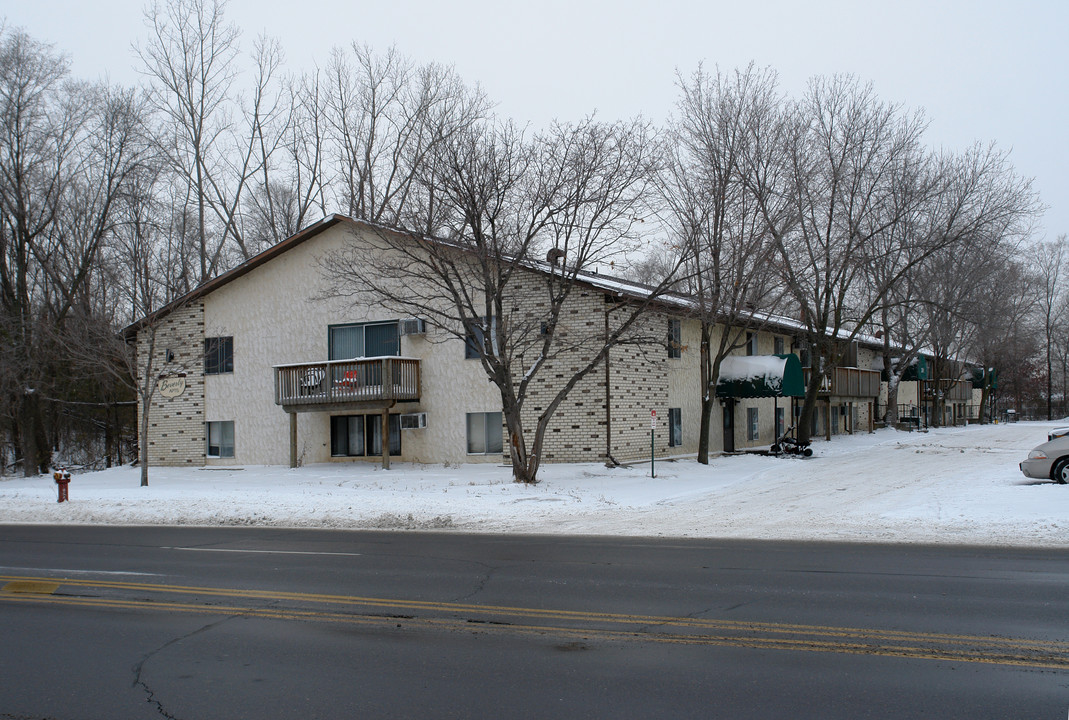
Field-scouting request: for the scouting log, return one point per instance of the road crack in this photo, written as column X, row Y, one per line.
column 480, row 584
column 139, row 681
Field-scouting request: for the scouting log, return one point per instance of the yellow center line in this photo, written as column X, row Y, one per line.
column 821, row 638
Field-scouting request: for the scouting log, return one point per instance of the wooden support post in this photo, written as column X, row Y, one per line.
column 293, row 439
column 386, row 439
column 827, row 421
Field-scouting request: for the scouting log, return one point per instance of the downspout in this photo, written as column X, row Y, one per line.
column 386, row 434
column 610, row 461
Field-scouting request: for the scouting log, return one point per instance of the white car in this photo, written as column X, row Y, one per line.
column 1049, row 461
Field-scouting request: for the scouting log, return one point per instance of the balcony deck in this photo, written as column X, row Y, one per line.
column 335, row 384
column 850, row 382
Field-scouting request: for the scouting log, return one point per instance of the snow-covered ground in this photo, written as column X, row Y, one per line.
column 959, row 485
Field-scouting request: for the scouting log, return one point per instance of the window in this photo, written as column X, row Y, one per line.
column 473, row 344
column 218, row 355
column 363, row 340
column 752, row 431
column 675, row 338
column 778, row 348
column 675, row 427
column 220, row 437
column 361, row 435
column 484, row 433
column 780, row 422
column 751, row 343
column 850, row 355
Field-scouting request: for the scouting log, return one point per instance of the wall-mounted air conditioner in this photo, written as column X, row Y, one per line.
column 414, row 421
column 414, row 326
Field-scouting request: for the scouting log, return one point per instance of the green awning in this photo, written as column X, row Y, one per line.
column 917, row 370
column 756, row 376
column 979, row 377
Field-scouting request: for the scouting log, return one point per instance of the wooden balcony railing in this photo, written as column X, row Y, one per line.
column 381, row 379
column 850, row 382
column 950, row 390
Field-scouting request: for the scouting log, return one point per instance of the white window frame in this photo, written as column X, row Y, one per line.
column 333, row 352
column 473, row 344
column 753, row 423
column 491, row 424
column 219, row 355
column 675, row 427
column 217, row 428
column 675, row 338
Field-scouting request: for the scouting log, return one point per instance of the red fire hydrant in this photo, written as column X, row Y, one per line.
column 63, row 479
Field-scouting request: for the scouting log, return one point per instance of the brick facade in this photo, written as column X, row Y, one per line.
column 176, row 425
column 638, row 378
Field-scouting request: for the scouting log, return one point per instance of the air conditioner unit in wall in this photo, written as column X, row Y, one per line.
column 414, row 326
column 414, row 421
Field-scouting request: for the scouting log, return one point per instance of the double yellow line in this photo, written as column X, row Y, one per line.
column 588, row 626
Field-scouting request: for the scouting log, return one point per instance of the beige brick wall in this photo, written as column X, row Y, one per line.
column 176, row 425
column 637, row 379
column 576, row 431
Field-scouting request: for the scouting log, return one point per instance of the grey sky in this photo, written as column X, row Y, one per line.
column 988, row 71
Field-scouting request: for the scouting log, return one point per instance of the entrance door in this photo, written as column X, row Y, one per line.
column 729, row 425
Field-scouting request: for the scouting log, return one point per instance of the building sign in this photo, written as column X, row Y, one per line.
column 171, row 386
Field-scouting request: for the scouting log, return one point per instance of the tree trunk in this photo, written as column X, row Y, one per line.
column 890, row 416
column 148, row 388
column 707, row 396
column 36, row 455
column 144, row 446
column 1050, row 381
column 109, row 439
column 809, row 406
column 524, row 464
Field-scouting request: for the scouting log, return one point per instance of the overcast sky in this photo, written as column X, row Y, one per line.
column 988, row 71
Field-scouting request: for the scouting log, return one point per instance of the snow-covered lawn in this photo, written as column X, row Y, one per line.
column 959, row 485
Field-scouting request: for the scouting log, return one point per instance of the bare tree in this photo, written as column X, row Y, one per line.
column 386, row 117
column 1047, row 259
column 37, row 140
column 67, row 152
column 856, row 169
column 192, row 63
column 189, row 61
column 964, row 231
column 720, row 147
column 292, row 192
column 1002, row 340
column 570, row 195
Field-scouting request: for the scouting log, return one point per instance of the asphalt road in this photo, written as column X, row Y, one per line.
column 187, row 623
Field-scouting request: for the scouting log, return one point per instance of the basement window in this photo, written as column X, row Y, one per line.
column 220, row 438
column 484, row 433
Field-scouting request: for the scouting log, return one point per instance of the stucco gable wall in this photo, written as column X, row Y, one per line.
column 275, row 315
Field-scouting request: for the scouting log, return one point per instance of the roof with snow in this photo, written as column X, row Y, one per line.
column 615, row 286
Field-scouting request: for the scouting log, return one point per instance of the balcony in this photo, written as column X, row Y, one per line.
column 948, row 390
column 850, row 382
column 336, row 384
